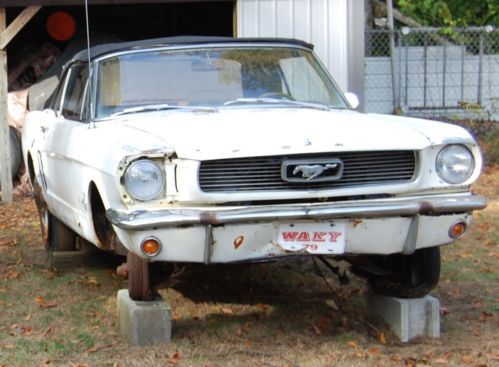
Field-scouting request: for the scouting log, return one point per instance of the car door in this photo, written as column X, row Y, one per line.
column 62, row 138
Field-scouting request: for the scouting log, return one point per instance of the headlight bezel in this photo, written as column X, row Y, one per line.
column 442, row 163
column 159, row 188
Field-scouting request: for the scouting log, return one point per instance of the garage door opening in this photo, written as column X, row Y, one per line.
column 117, row 22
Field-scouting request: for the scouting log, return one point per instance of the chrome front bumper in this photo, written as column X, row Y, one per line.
column 181, row 217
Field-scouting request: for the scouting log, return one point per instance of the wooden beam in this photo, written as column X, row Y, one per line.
column 6, row 35
column 18, row 24
column 5, row 174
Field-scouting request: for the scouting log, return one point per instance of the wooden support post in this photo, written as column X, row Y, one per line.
column 5, row 174
column 6, row 35
column 17, row 24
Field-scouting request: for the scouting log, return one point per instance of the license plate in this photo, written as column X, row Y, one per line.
column 314, row 238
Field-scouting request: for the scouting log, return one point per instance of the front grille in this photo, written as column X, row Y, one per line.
column 264, row 173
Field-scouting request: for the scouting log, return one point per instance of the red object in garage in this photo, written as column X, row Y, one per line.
column 61, row 26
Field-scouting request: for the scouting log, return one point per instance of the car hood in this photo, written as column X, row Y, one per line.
column 232, row 133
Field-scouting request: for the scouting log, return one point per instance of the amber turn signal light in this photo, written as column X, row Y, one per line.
column 151, row 246
column 457, row 229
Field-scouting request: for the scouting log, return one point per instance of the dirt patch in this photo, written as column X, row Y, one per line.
column 291, row 313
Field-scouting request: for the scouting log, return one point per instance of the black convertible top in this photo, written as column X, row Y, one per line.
column 102, row 49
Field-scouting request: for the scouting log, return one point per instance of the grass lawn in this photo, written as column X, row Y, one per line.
column 282, row 314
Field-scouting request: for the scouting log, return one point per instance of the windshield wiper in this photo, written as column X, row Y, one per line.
column 317, row 106
column 163, row 106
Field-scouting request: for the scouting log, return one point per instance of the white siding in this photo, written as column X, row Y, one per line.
column 320, row 22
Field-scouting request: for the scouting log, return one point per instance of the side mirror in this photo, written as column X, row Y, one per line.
column 352, row 99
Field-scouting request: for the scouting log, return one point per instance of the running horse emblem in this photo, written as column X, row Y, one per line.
column 311, row 171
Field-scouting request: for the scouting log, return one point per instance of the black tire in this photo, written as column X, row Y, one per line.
column 411, row 276
column 55, row 234
column 15, row 153
column 139, row 284
column 43, row 212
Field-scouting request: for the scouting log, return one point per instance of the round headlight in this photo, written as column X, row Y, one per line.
column 144, row 180
column 455, row 164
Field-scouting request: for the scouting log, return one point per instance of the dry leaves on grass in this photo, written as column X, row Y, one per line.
column 97, row 348
column 44, row 304
column 24, row 330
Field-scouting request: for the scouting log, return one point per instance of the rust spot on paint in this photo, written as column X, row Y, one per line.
column 209, row 218
column 356, row 222
column 425, row 208
column 238, row 242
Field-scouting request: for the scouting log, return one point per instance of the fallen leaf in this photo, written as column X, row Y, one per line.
column 396, row 358
column 373, row 350
column 485, row 315
column 489, row 243
column 174, row 358
column 467, row 358
column 43, row 304
column 443, row 311
column 443, row 361
column 94, row 313
column 7, row 243
column 410, row 362
column 382, row 338
column 352, row 344
column 317, row 330
column 47, row 330
column 227, row 311
column 332, row 304
column 93, row 281
column 96, row 348
column 263, row 307
column 51, row 304
column 13, row 275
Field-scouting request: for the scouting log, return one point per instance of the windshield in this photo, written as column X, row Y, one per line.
column 213, row 77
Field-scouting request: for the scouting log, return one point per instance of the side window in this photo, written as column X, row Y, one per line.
column 57, row 98
column 73, row 106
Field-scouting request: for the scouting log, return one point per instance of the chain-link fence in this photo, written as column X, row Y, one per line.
column 433, row 72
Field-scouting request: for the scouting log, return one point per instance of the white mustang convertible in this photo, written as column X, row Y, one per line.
column 219, row 150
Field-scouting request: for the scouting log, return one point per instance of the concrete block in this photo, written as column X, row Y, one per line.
column 408, row 318
column 143, row 322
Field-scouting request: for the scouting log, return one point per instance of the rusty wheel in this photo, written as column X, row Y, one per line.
column 411, row 276
column 139, row 285
column 55, row 234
